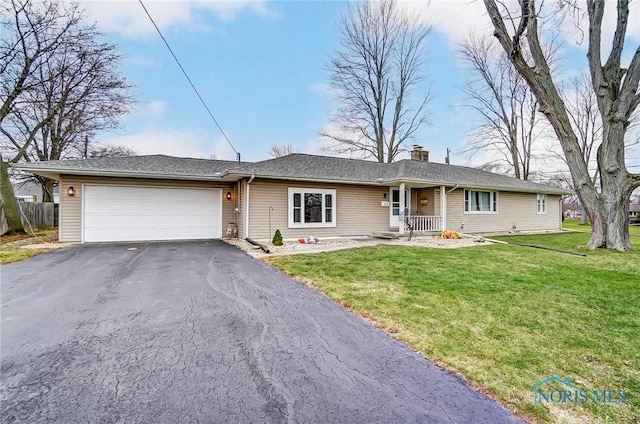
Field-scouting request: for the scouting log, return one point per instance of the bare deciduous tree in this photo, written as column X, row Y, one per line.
column 109, row 151
column 507, row 109
column 31, row 35
column 582, row 108
column 374, row 74
column 607, row 204
column 279, row 150
column 74, row 93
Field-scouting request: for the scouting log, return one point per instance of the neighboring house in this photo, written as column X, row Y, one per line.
column 165, row 198
column 634, row 212
column 30, row 191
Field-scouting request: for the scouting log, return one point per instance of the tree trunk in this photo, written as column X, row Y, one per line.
column 584, row 219
column 47, row 190
column 610, row 216
column 609, row 225
column 9, row 202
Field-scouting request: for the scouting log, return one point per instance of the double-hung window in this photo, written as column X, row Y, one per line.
column 476, row 201
column 541, row 203
column 310, row 207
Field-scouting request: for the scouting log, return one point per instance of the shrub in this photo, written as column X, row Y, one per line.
column 277, row 238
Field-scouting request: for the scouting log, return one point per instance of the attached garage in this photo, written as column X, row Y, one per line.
column 113, row 213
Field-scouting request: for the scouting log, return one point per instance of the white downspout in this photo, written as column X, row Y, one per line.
column 401, row 215
column 246, row 207
column 443, row 207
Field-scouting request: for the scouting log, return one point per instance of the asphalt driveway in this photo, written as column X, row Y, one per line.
column 200, row 332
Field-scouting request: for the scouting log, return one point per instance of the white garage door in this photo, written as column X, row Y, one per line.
column 122, row 213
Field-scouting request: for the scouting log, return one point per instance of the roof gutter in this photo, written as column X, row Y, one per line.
column 555, row 191
column 123, row 174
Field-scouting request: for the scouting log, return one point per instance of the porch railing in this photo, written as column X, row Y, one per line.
column 426, row 223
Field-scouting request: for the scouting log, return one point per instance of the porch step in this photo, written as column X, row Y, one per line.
column 385, row 235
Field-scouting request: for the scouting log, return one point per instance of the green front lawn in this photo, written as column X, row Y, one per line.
column 574, row 224
column 505, row 317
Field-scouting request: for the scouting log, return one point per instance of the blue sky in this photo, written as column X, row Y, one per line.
column 261, row 67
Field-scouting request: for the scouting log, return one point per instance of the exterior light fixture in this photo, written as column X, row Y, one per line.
column 71, row 191
column 228, row 195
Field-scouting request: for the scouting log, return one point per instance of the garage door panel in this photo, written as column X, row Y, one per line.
column 150, row 234
column 119, row 213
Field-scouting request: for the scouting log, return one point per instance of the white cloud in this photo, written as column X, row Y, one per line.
column 455, row 18
column 578, row 28
column 173, row 142
column 127, row 17
column 154, row 109
column 222, row 150
column 322, row 88
column 141, row 61
column 319, row 145
column 458, row 18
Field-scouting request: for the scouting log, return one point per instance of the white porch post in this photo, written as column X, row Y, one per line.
column 402, row 209
column 443, row 207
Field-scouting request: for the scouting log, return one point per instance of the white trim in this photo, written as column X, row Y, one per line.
column 561, row 214
column 61, row 194
column 491, row 201
column 545, row 203
column 403, row 208
column 302, row 191
column 394, row 220
column 82, row 213
column 246, row 210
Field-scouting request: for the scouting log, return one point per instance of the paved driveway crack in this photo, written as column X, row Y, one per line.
column 201, row 332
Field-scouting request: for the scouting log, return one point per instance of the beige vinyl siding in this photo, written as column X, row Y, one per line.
column 71, row 207
column 517, row 209
column 429, row 194
column 358, row 210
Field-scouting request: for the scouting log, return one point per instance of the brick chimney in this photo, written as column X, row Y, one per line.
column 418, row 153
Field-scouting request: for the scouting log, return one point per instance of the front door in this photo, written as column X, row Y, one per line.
column 394, row 216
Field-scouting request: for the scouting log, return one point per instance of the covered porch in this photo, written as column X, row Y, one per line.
column 424, row 208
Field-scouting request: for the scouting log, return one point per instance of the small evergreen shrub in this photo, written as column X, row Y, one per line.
column 277, row 238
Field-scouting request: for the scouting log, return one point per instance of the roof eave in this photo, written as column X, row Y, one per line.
column 541, row 190
column 320, row 180
column 227, row 176
column 123, row 174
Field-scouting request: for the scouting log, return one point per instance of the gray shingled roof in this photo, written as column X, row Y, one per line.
column 468, row 177
column 298, row 165
column 326, row 168
column 294, row 167
column 137, row 165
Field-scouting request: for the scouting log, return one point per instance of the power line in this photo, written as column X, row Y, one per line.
column 189, row 79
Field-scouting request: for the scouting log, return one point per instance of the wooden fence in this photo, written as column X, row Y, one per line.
column 34, row 215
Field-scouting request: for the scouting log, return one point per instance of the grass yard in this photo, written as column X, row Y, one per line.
column 10, row 246
column 574, row 224
column 504, row 317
